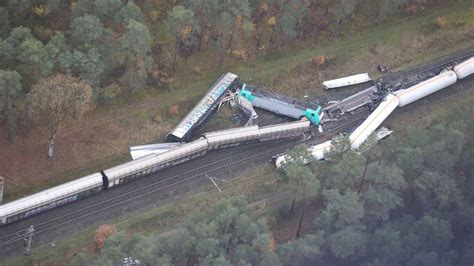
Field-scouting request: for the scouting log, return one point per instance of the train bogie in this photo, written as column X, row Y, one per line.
column 50, row 198
column 232, row 137
column 465, row 68
column 426, row 88
column 286, row 130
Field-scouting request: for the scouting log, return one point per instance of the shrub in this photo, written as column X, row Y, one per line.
column 104, row 232
column 111, row 92
column 441, row 22
column 319, row 61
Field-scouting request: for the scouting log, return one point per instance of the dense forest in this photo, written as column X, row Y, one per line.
column 405, row 201
column 113, row 48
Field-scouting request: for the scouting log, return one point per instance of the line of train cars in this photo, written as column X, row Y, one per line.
column 82, row 187
column 393, row 100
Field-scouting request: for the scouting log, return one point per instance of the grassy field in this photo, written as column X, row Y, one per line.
column 257, row 185
column 400, row 43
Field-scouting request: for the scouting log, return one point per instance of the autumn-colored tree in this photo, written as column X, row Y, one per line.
column 102, row 233
column 54, row 100
column 233, row 15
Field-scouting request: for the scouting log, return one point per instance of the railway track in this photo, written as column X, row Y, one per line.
column 403, row 80
column 18, row 236
column 344, row 124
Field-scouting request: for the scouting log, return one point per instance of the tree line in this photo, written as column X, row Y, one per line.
column 109, row 45
column 405, row 201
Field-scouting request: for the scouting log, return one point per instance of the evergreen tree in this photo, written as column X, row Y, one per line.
column 10, row 92
column 181, row 24
column 135, row 45
column 127, row 13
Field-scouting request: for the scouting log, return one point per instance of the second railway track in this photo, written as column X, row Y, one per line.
column 42, row 227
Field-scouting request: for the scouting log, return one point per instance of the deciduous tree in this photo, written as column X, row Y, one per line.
column 54, row 100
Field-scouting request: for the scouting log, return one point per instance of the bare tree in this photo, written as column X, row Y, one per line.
column 56, row 99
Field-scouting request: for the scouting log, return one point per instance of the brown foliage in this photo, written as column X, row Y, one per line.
column 271, row 21
column 173, row 110
column 56, row 99
column 319, row 61
column 104, row 232
column 197, row 70
column 441, row 22
column 415, row 7
column 240, row 54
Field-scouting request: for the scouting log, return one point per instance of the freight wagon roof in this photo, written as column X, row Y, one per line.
column 204, row 105
column 52, row 194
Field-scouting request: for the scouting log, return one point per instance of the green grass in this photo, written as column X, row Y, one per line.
column 256, row 185
column 156, row 220
column 265, row 69
column 269, row 70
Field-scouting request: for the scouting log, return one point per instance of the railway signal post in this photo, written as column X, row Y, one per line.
column 28, row 239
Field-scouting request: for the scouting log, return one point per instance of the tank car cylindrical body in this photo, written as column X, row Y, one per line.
column 426, row 88
column 319, row 151
column 374, row 120
column 465, row 68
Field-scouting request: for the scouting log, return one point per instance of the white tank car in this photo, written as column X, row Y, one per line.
column 465, row 68
column 317, row 152
column 426, row 88
column 374, row 120
column 50, row 198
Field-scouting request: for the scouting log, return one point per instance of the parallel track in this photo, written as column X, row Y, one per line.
column 226, row 162
column 164, row 184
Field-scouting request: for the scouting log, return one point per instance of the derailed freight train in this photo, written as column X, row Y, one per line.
column 117, row 175
column 391, row 102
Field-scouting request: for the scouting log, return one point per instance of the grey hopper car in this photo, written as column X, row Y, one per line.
column 50, row 198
